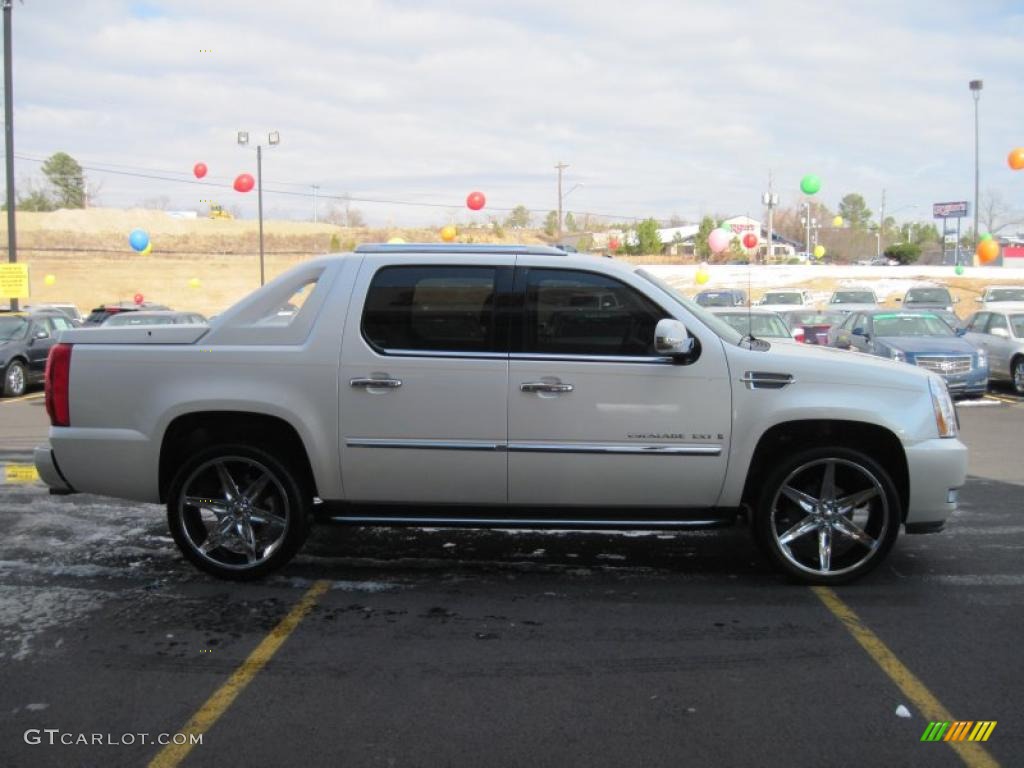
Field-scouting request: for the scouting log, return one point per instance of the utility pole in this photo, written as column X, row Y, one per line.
column 976, row 86
column 770, row 199
column 12, row 251
column 315, row 188
column 881, row 228
column 560, row 167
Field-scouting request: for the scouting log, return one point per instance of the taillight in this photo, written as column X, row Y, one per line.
column 58, row 369
column 798, row 334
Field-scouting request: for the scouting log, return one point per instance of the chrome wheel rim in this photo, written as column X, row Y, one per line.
column 16, row 380
column 1018, row 377
column 234, row 512
column 829, row 517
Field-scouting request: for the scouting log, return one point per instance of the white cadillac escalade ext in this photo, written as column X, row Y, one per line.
column 496, row 386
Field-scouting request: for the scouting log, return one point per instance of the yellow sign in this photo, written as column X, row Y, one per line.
column 14, row 281
column 20, row 473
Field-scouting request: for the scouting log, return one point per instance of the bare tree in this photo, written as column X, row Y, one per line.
column 158, row 203
column 995, row 213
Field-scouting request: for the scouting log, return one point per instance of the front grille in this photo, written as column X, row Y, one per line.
column 946, row 365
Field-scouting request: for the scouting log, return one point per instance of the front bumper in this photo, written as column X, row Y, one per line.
column 49, row 472
column 937, row 468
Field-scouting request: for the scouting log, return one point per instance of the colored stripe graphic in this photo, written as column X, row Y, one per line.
column 959, row 730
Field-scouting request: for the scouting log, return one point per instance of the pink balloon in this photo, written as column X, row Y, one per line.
column 139, row 298
column 718, row 240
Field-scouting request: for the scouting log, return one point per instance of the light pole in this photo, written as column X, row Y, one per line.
column 975, row 86
column 560, row 214
column 560, row 167
column 315, row 188
column 273, row 139
column 770, row 200
column 12, row 250
column 808, row 222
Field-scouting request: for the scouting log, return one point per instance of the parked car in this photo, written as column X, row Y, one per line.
column 812, row 327
column 487, row 386
column 786, row 301
column 66, row 307
column 103, row 312
column 919, row 338
column 850, row 299
column 759, row 323
column 723, row 297
column 929, row 297
column 997, row 296
column 154, row 317
column 1001, row 335
column 25, row 341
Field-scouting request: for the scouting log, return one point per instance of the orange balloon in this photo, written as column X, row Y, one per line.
column 988, row 250
column 448, row 233
column 1016, row 158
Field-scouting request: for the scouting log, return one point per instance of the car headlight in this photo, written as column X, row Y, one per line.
column 945, row 413
column 982, row 359
column 897, row 355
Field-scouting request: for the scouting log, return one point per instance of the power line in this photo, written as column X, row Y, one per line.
column 152, row 174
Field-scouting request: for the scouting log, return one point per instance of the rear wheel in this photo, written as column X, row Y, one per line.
column 238, row 512
column 828, row 515
column 1018, row 375
column 15, row 379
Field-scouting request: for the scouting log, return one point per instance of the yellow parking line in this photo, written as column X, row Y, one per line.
column 33, row 396
column 973, row 755
column 1002, row 399
column 215, row 706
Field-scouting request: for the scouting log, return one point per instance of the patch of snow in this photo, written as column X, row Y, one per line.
column 902, row 711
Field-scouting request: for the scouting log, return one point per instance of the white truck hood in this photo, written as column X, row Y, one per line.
column 137, row 334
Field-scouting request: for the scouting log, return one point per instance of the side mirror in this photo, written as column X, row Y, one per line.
column 672, row 340
column 41, row 335
column 962, row 331
column 1000, row 332
column 858, row 331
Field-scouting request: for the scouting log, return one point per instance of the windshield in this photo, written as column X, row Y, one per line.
column 1005, row 294
column 931, row 295
column 12, row 327
column 785, row 297
column 911, row 325
column 853, row 297
column 760, row 326
column 814, row 318
column 1017, row 323
column 134, row 318
column 725, row 331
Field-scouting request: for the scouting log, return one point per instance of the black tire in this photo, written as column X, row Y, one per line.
column 839, row 533
column 15, row 382
column 280, row 513
column 1017, row 375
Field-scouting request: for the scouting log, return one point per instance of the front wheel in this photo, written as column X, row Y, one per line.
column 1018, row 375
column 15, row 379
column 828, row 515
column 238, row 512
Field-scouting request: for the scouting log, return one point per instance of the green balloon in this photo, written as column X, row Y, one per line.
column 959, row 269
column 986, row 236
column 810, row 184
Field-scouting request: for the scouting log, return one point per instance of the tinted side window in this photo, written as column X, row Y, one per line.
column 437, row 309
column 580, row 313
column 978, row 322
column 998, row 321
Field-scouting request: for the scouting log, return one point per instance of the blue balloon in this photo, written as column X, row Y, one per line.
column 138, row 239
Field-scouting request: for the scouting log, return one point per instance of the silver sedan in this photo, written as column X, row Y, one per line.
column 1001, row 334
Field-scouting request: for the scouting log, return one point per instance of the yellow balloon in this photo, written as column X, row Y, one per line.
column 702, row 277
column 837, row 221
column 147, row 250
column 448, row 233
column 396, row 241
column 194, row 283
column 50, row 279
column 819, row 251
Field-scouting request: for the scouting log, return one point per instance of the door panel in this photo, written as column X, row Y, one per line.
column 438, row 432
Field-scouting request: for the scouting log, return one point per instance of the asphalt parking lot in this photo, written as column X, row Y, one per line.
column 428, row 647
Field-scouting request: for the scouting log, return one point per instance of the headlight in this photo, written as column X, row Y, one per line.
column 945, row 413
column 897, row 355
column 982, row 359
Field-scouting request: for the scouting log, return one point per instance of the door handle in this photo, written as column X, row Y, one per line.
column 543, row 386
column 375, row 383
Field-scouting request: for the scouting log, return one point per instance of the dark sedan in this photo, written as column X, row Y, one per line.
column 725, row 297
column 25, row 341
column 919, row 338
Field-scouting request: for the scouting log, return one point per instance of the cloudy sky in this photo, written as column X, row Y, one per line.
column 659, row 108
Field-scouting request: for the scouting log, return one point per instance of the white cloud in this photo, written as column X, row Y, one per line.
column 659, row 107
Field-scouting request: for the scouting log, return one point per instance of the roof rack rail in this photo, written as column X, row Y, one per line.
column 467, row 248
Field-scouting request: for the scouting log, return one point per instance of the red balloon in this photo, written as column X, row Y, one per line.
column 613, row 244
column 244, row 182
column 750, row 240
column 139, row 298
column 199, row 169
column 475, row 201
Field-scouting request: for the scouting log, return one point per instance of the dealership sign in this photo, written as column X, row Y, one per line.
column 949, row 210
